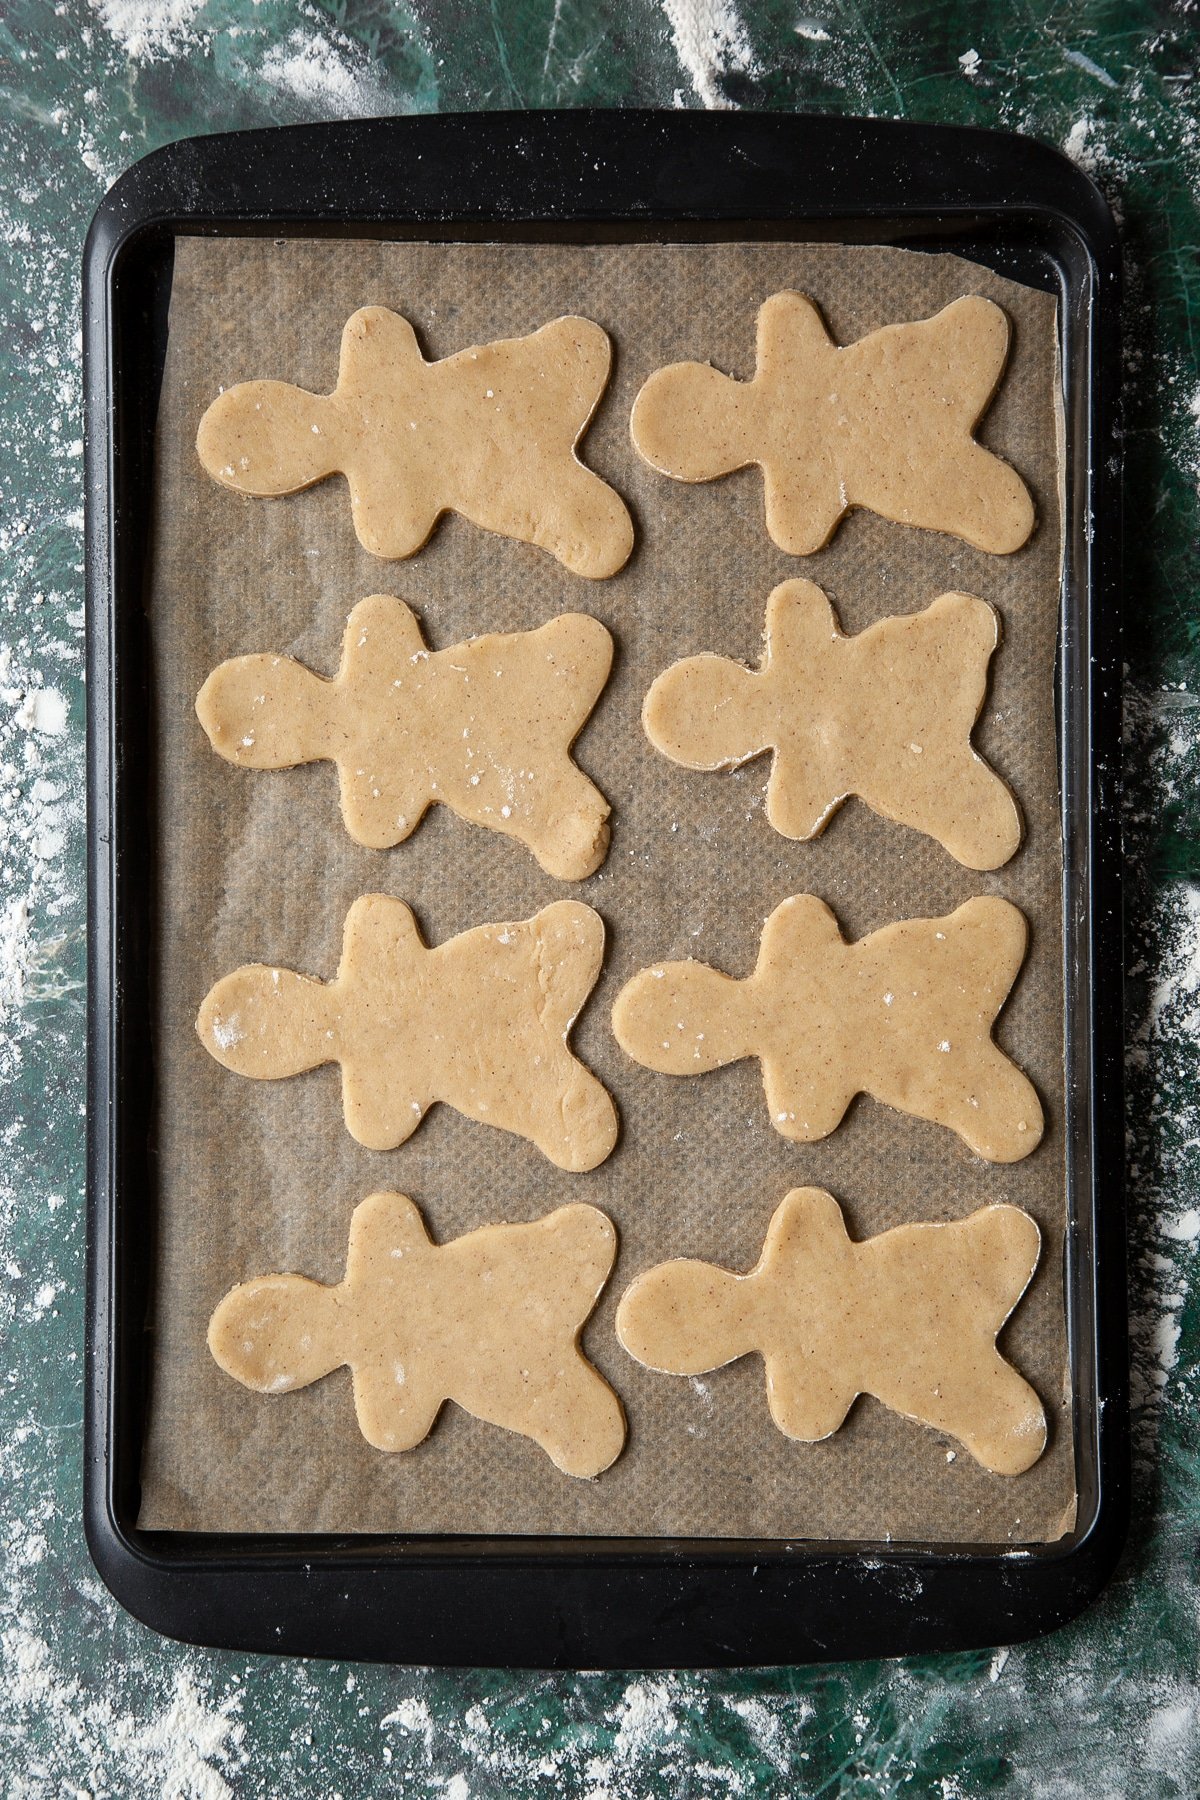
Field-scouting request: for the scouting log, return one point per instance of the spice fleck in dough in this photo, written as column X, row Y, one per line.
column 480, row 1022
column 490, row 433
column 491, row 1321
column 910, row 1316
column 905, row 1015
column 885, row 423
column 886, row 714
column 486, row 727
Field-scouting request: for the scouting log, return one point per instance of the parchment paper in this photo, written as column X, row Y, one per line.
column 258, row 1177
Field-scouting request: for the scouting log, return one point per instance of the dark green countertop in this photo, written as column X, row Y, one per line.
column 90, row 1702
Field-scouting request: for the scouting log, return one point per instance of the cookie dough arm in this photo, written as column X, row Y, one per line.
column 397, row 1403
column 809, row 1399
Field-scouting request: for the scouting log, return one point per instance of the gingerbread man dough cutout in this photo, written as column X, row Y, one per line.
column 886, row 714
column 910, row 1316
column 480, row 1022
column 490, row 433
column 491, row 1321
column 885, row 423
column 486, row 726
column 905, row 1015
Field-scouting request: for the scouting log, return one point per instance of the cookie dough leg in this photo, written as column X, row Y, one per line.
column 993, row 1105
column 1004, row 1428
column 806, row 1103
column 967, row 807
column 566, row 829
column 574, row 1120
column 579, row 1422
column 987, row 490
column 588, row 526
column 802, row 797
column 396, row 527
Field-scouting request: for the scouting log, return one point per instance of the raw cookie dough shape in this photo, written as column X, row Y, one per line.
column 490, row 433
column 910, row 1316
column 486, row 726
column 490, row 1320
column 480, row 1022
column 886, row 714
column 905, row 1015
column 885, row 423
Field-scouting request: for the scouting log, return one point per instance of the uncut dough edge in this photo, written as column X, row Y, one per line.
column 260, row 1179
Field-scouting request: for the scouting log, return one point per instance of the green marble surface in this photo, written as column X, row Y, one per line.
column 90, row 1702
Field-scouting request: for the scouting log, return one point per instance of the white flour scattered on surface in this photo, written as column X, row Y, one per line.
column 1077, row 146
column 44, row 710
column 709, row 40
column 414, row 1718
column 331, row 77
column 1164, row 1108
column 182, row 1750
column 148, row 30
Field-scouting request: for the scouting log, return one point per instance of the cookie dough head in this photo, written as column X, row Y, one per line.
column 268, row 1023
column 685, row 1318
column 707, row 713
column 683, row 1019
column 264, row 712
column 693, row 423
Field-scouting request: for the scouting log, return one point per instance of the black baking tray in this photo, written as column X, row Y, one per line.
column 1006, row 201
